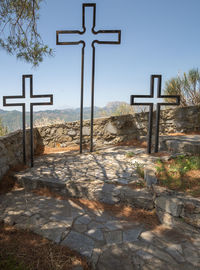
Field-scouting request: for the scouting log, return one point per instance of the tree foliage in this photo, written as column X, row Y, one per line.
column 121, row 109
column 18, row 30
column 187, row 86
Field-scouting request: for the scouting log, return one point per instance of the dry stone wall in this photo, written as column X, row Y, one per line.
column 107, row 131
column 11, row 150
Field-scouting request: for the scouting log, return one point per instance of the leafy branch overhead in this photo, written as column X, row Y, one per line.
column 18, row 30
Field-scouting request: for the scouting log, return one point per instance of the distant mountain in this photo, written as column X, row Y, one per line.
column 13, row 119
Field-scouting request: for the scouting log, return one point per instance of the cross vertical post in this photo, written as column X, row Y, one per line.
column 23, row 105
column 81, row 41
column 158, row 105
column 150, row 104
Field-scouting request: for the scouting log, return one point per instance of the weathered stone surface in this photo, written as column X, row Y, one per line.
column 114, row 258
column 172, row 206
column 110, row 128
column 53, row 231
column 86, row 131
column 72, row 133
column 164, row 217
column 138, row 197
column 108, row 242
column 113, row 237
column 131, row 235
column 181, row 144
column 96, row 234
column 79, row 242
column 150, row 177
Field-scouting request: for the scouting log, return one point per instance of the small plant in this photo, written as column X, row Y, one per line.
column 180, row 173
column 139, row 169
column 130, row 154
column 140, row 184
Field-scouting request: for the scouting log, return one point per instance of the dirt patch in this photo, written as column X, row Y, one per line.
column 127, row 213
column 148, row 218
column 35, row 252
column 160, row 154
column 170, row 234
column 49, row 150
column 8, row 182
column 184, row 134
column 133, row 142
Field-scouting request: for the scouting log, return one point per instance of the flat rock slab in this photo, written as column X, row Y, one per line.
column 106, row 241
column 104, row 176
column 181, row 144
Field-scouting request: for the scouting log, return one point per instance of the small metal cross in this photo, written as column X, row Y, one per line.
column 95, row 41
column 22, row 104
column 158, row 105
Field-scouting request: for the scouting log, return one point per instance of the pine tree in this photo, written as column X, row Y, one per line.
column 18, row 30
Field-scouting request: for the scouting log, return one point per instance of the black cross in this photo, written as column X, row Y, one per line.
column 159, row 104
column 95, row 41
column 23, row 105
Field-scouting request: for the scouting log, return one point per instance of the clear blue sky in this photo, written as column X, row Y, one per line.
column 158, row 37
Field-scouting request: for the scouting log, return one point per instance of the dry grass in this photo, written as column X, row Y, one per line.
column 181, row 174
column 20, row 249
column 127, row 213
column 170, row 234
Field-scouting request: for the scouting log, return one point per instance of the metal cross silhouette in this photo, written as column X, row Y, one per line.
column 22, row 104
column 95, row 41
column 158, row 105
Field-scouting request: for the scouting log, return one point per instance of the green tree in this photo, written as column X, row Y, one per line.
column 18, row 30
column 3, row 130
column 187, row 86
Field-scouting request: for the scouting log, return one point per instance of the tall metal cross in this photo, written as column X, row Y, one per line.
column 22, row 104
column 158, row 105
column 81, row 41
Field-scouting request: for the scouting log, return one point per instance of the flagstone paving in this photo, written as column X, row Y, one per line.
column 108, row 242
column 105, row 175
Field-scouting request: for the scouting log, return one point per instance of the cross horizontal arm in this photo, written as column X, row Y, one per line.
column 42, row 103
column 177, row 102
column 5, row 98
column 118, row 32
column 73, row 32
column 133, row 97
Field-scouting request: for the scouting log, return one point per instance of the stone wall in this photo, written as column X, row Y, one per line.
column 172, row 207
column 172, row 120
column 11, row 149
column 107, row 131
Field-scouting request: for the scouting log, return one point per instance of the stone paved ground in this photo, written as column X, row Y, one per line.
column 105, row 175
column 108, row 243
